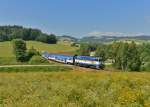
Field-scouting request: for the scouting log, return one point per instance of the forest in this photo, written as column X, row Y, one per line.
column 8, row 33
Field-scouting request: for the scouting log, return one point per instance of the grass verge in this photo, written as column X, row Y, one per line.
column 36, row 69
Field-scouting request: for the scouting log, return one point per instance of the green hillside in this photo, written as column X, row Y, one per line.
column 6, row 48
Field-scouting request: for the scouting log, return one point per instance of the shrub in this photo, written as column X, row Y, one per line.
column 38, row 60
column 32, row 52
column 145, row 67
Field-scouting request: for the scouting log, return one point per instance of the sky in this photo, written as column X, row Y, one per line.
column 79, row 18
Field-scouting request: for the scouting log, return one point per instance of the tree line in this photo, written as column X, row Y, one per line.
column 123, row 56
column 8, row 33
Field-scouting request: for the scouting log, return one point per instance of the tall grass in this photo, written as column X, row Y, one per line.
column 74, row 89
column 35, row 69
column 9, row 61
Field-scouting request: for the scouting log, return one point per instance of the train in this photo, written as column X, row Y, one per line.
column 83, row 61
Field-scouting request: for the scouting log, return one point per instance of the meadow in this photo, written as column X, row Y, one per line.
column 74, row 89
column 7, row 57
column 7, row 51
column 68, row 86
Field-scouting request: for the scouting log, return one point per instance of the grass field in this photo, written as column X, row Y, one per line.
column 46, row 87
column 34, row 68
column 74, row 89
column 6, row 48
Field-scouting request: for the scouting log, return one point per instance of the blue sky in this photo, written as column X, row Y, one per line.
column 79, row 18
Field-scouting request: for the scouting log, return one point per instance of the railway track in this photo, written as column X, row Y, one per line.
column 6, row 66
column 83, row 69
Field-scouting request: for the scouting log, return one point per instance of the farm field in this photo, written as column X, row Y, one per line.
column 6, row 48
column 74, row 89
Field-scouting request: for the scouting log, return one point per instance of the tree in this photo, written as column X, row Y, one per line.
column 101, row 52
column 144, row 51
column 116, row 54
column 26, row 34
column 134, row 63
column 34, row 33
column 3, row 37
column 42, row 38
column 17, row 34
column 51, row 39
column 123, row 52
column 19, row 47
column 84, row 49
column 127, row 57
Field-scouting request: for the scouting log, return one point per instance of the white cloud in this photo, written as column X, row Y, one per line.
column 96, row 33
column 99, row 34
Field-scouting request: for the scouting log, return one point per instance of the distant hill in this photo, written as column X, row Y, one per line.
column 104, row 39
column 67, row 38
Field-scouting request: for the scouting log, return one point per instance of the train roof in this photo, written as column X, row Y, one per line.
column 56, row 55
column 87, row 58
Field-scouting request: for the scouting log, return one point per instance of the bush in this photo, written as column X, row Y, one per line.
column 32, row 52
column 145, row 67
column 38, row 60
